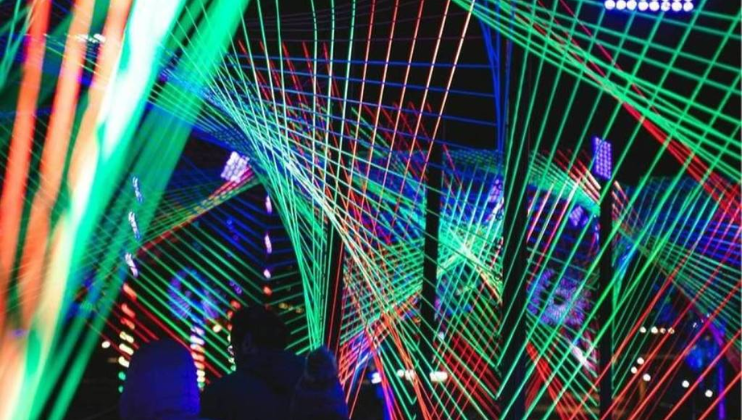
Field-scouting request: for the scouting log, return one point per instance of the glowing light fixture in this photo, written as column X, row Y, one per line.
column 126, row 337
column 268, row 244
column 235, row 167
column 676, row 6
column 132, row 265
column 603, row 156
column 408, row 374
column 126, row 349
column 438, row 376
column 576, row 215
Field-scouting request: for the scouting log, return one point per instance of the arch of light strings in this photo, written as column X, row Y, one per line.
column 331, row 117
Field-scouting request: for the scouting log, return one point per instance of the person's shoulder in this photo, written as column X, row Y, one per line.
column 218, row 386
column 219, row 397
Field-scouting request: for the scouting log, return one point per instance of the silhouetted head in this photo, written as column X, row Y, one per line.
column 318, row 394
column 160, row 383
column 256, row 328
column 321, row 367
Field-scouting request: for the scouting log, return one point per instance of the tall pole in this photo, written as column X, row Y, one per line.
column 605, row 347
column 335, row 289
column 434, row 182
column 514, row 292
column 333, row 307
column 603, row 168
column 335, row 247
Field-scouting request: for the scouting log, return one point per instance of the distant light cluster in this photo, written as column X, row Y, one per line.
column 652, row 6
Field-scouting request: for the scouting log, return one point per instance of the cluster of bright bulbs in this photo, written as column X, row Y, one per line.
column 197, row 344
column 655, row 330
column 235, row 168
column 652, row 5
column 576, row 215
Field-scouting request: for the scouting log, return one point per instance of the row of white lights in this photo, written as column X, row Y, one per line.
column 655, row 330
column 654, row 5
column 647, row 377
column 410, row 375
column 709, row 393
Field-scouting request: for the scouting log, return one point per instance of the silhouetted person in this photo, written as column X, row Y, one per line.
column 160, row 384
column 262, row 386
column 318, row 395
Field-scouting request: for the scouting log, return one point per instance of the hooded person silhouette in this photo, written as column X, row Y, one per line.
column 318, row 394
column 160, row 384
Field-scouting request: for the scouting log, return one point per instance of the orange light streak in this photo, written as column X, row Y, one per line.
column 19, row 154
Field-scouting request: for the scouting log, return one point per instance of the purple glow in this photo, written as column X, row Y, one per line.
column 496, row 197
column 268, row 205
column 268, row 244
column 576, row 215
column 236, row 287
column 559, row 300
column 235, row 168
column 603, row 158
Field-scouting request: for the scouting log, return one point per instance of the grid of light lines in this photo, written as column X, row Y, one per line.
column 335, row 108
